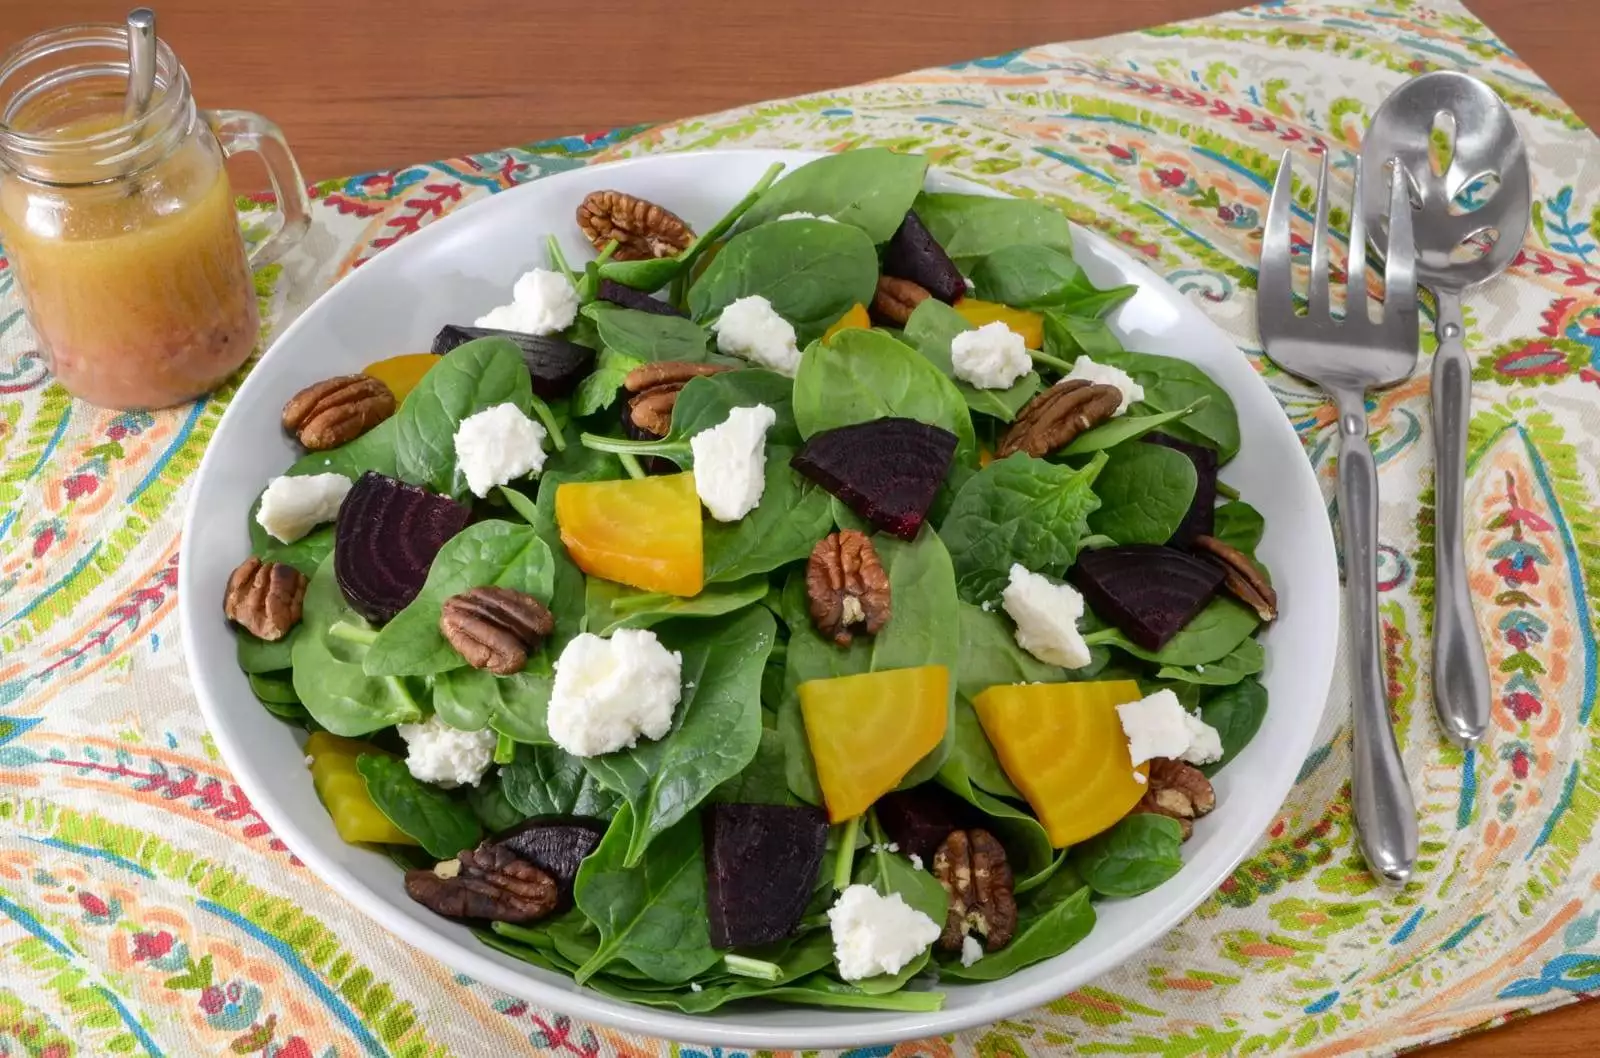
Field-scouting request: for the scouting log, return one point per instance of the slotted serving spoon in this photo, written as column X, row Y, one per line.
column 1486, row 144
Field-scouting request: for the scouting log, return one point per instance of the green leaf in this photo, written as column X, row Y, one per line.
column 715, row 730
column 1037, row 276
column 651, row 915
column 1247, row 659
column 763, row 781
column 1240, row 526
column 1040, row 936
column 494, row 810
column 487, row 554
column 1068, row 337
column 648, row 336
column 1027, row 844
column 932, row 327
column 259, row 655
column 1017, row 510
column 440, row 823
column 1170, row 384
column 470, row 378
column 1131, row 858
column 811, row 271
column 273, row 689
column 794, row 513
column 1129, row 426
column 869, row 187
column 611, row 606
column 599, row 388
column 1145, row 492
column 706, row 402
column 470, row 699
column 1236, row 713
column 1214, row 633
column 549, row 781
column 991, row 657
column 970, row 227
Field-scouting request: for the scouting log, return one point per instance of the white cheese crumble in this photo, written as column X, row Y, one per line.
column 971, row 950
column 1159, row 726
column 875, row 934
column 542, row 302
column 1139, row 777
column 608, row 692
column 750, row 328
column 916, row 861
column 497, row 446
column 696, row 986
column 802, row 215
column 730, row 462
column 1047, row 616
column 439, row 754
column 311, row 762
column 1106, row 375
column 991, row 357
column 293, row 506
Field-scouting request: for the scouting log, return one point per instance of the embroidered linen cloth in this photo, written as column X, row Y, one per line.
column 145, row 908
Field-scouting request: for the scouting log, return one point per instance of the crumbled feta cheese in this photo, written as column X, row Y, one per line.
column 916, row 861
column 497, row 446
column 991, row 357
column 972, row 288
column 293, row 506
column 730, row 462
column 440, row 754
column 1047, row 615
column 751, row 329
column 542, row 302
column 1159, row 726
column 987, row 606
column 875, row 934
column 971, row 950
column 1106, row 375
column 802, row 215
column 608, row 692
column 893, row 846
column 447, row 869
column 1139, row 777
column 1200, row 668
column 311, row 762
column 696, row 986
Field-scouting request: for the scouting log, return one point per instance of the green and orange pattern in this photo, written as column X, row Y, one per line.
column 146, row 909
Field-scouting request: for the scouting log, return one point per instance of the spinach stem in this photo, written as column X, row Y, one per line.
column 557, row 258
column 505, row 750
column 844, row 860
column 630, row 463
column 632, row 604
column 1227, row 491
column 760, row 969
column 673, row 450
column 548, row 417
column 1104, row 635
column 1046, row 360
column 352, row 633
column 403, row 692
column 811, row 922
column 590, row 283
column 729, row 219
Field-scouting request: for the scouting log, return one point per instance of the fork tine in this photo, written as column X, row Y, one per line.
column 1355, row 297
column 1274, row 282
column 1318, row 294
column 1400, row 264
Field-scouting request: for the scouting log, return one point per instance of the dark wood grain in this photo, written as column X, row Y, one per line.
column 364, row 84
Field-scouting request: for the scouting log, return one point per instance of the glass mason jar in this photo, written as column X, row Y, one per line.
column 122, row 231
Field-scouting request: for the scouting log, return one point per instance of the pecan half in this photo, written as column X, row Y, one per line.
column 264, row 598
column 655, row 387
column 897, row 298
column 336, row 411
column 1245, row 580
column 642, row 229
column 846, row 586
column 495, row 628
column 490, row 883
column 1177, row 790
column 1058, row 415
column 972, row 867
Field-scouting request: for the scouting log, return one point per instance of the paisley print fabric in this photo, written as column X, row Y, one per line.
column 145, row 908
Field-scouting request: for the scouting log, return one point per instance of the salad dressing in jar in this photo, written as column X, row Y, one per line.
column 121, row 229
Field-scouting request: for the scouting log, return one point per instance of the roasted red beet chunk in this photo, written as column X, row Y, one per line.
column 387, row 536
column 919, row 819
column 1148, row 591
column 555, row 365
column 913, row 253
column 887, row 470
column 629, row 298
column 761, row 866
column 558, row 848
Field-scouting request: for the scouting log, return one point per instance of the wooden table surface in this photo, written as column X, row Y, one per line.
column 365, row 84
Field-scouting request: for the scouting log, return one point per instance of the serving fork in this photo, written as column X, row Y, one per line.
column 1347, row 357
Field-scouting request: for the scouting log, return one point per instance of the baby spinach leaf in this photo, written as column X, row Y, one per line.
column 1027, row 844
column 489, row 803
column 492, row 553
column 861, row 375
column 1170, row 384
column 763, row 780
column 273, row 689
column 1030, row 275
column 647, row 336
column 1247, row 659
column 652, row 914
column 471, row 378
column 471, row 699
column 549, row 781
column 715, row 730
column 990, row 657
column 1145, row 491
column 932, row 327
column 1067, row 337
column 811, row 271
column 1133, row 857
column 259, row 655
column 1240, row 526
column 328, row 672
column 1040, row 936
column 611, row 606
column 870, row 187
column 1213, row 634
column 440, row 823
column 794, row 513
column 1236, row 713
column 970, row 227
column 599, row 388
column 706, row 402
column 1017, row 509
column 1130, row 426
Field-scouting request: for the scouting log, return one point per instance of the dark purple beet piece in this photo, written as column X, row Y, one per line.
column 913, row 253
column 387, row 535
column 919, row 819
column 1148, row 591
column 887, row 470
column 1202, row 516
column 555, row 365
column 761, row 866
column 556, row 847
column 629, row 298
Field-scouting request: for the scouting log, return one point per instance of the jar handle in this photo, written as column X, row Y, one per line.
column 240, row 131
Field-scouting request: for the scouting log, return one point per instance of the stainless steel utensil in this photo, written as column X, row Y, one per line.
column 1486, row 144
column 141, row 63
column 1348, row 357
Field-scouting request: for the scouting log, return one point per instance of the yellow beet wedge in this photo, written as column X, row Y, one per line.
column 1030, row 325
column 867, row 732
column 344, row 791
column 856, row 318
column 1063, row 746
column 643, row 532
column 401, row 373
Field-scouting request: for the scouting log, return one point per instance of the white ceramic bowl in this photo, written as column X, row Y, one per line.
column 457, row 269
